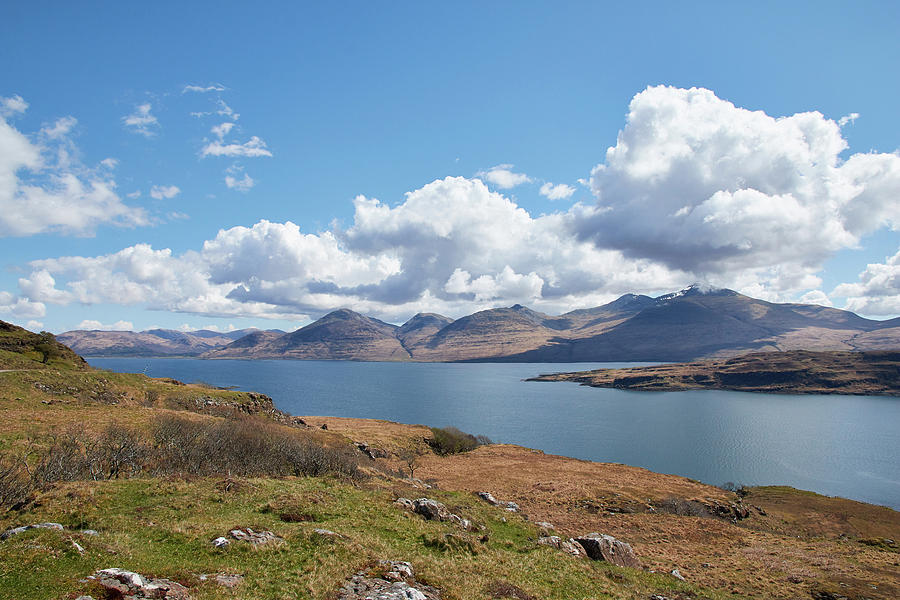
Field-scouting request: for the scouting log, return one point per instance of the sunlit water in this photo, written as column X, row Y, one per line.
column 837, row 445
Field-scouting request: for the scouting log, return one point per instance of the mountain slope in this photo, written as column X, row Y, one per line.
column 153, row 342
column 339, row 335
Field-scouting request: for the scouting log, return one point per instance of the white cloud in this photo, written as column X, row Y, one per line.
column 203, row 89
column 878, row 290
column 847, row 119
column 162, row 192
column 92, row 325
column 698, row 184
column 226, row 111
column 557, row 191
column 220, row 131
column 11, row 106
column 22, row 308
column 35, row 326
column 59, row 128
column 503, row 177
column 142, row 121
column 42, row 189
column 254, row 147
column 110, row 163
column 242, row 185
column 816, row 297
column 452, row 246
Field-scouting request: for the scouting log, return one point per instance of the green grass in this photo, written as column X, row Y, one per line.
column 163, row 528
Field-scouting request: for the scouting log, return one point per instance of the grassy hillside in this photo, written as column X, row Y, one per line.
column 192, row 462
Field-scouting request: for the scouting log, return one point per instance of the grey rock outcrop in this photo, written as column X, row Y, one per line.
column 435, row 511
column 257, row 538
column 490, row 499
column 17, row 530
column 228, row 580
column 389, row 580
column 569, row 546
column 129, row 585
column 605, row 547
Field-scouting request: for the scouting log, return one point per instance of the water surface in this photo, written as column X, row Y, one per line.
column 837, row 445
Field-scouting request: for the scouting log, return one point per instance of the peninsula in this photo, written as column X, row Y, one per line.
column 795, row 372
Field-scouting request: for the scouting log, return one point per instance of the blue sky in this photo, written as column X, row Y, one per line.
column 470, row 108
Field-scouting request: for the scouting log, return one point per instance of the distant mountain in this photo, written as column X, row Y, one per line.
column 696, row 322
column 153, row 342
column 339, row 335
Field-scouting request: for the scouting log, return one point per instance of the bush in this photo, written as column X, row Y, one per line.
column 450, row 440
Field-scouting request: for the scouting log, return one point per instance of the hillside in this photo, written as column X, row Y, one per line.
column 153, row 342
column 323, row 510
column 791, row 372
column 687, row 325
column 326, row 515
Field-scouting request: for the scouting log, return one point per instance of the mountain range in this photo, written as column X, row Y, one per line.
column 693, row 323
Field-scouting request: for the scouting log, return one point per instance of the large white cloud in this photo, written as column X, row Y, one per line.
column 452, row 246
column 878, row 290
column 697, row 183
column 43, row 189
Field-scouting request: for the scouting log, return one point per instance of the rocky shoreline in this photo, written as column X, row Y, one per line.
column 795, row 372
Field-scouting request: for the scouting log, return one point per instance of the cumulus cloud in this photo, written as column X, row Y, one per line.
column 203, row 89
column 19, row 307
column 816, row 297
column 253, row 147
column 503, row 177
column 164, row 192
column 878, row 290
column 142, row 121
column 92, row 325
column 34, row 325
column 43, row 189
column 557, row 191
column 220, row 131
column 698, row 184
column 11, row 106
column 451, row 246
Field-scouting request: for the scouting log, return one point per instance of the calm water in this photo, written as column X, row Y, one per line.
column 837, row 445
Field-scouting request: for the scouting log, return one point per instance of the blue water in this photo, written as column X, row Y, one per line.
column 837, row 445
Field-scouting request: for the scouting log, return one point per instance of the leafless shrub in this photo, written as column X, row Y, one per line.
column 16, row 485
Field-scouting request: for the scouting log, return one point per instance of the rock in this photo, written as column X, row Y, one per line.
column 605, row 547
column 257, row 538
column 396, row 570
column 512, row 507
column 89, row 532
column 327, row 533
column 84, row 598
column 677, row 575
column 17, row 530
column 129, row 585
column 569, row 546
column 545, row 525
column 431, row 509
column 221, row 542
column 488, row 497
column 405, row 503
column 227, row 580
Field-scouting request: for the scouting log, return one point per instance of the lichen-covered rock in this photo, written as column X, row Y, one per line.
column 17, row 530
column 405, row 503
column 431, row 509
column 129, row 585
column 221, row 542
column 488, row 497
column 569, row 546
column 228, row 580
column 605, row 547
column 389, row 580
column 257, row 538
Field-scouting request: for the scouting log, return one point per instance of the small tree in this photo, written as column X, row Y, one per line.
column 47, row 346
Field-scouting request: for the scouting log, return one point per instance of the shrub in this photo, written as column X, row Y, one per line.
column 450, row 440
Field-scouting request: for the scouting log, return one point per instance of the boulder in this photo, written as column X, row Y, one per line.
column 388, row 580
column 128, row 585
column 327, row 534
column 405, row 503
column 17, row 530
column 569, row 546
column 396, row 570
column 221, row 542
column 605, row 547
column 677, row 575
column 432, row 510
column 228, row 580
column 257, row 538
column 488, row 497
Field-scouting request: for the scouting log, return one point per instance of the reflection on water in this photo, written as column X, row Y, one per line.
column 836, row 445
